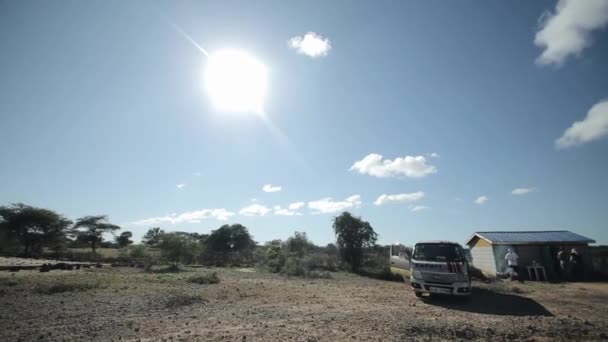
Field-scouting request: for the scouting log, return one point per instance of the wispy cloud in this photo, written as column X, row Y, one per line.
column 296, row 205
column 271, row 188
column 593, row 127
column 311, row 44
column 434, row 155
column 180, row 186
column 419, row 208
column 328, row 205
column 374, row 165
column 285, row 211
column 187, row 217
column 481, row 200
column 522, row 191
column 255, row 210
column 567, row 31
column 411, row 197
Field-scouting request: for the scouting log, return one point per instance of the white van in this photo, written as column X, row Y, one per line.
column 433, row 267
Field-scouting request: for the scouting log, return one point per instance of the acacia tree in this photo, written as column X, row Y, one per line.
column 34, row 228
column 352, row 236
column 94, row 228
column 153, row 236
column 124, row 239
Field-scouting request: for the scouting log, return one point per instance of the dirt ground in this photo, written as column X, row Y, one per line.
column 249, row 305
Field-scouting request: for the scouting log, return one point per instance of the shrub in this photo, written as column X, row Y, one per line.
column 176, row 300
column 323, row 262
column 294, row 266
column 206, row 278
column 137, row 251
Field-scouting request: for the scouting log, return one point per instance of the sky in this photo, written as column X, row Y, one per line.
column 429, row 119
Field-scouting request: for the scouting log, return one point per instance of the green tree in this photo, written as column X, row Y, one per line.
column 298, row 244
column 34, row 228
column 153, row 236
column 124, row 239
column 353, row 235
column 179, row 247
column 229, row 238
column 93, row 229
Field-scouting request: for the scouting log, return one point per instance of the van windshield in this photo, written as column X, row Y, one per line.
column 438, row 252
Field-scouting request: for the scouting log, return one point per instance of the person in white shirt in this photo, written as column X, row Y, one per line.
column 512, row 258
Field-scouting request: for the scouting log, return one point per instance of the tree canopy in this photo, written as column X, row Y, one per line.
column 34, row 228
column 94, row 228
column 352, row 236
column 229, row 238
column 124, row 239
column 153, row 236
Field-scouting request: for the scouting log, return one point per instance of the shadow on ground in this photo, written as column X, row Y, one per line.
column 489, row 302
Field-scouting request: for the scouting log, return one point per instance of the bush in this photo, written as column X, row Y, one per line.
column 323, row 262
column 176, row 300
column 207, row 278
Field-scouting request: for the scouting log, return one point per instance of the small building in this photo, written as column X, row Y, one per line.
column 488, row 250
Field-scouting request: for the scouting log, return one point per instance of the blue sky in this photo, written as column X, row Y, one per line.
column 102, row 111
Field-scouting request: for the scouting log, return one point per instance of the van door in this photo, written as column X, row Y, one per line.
column 401, row 261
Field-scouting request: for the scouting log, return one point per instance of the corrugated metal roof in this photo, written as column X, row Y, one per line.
column 532, row 237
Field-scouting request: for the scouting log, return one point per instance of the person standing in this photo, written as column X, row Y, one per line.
column 511, row 258
column 562, row 258
column 576, row 264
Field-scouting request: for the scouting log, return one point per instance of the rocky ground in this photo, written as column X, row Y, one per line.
column 129, row 304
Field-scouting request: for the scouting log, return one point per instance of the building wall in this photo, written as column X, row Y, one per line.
column 483, row 259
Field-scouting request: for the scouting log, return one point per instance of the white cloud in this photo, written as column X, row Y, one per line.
column 255, row 210
column 567, row 31
column 271, row 188
column 522, row 191
column 327, row 205
column 411, row 197
column 296, row 205
column 187, row 217
column 312, row 44
column 285, row 212
column 481, row 199
column 419, row 208
column 593, row 127
column 434, row 155
column 374, row 165
column 179, row 186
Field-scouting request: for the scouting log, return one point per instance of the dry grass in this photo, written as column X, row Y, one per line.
column 206, row 278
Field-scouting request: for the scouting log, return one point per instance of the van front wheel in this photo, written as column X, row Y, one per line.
column 418, row 294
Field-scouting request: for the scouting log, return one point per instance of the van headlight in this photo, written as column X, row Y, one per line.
column 417, row 274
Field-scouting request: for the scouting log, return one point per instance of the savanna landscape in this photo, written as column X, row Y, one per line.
column 273, row 170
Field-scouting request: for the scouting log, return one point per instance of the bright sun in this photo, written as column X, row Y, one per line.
column 235, row 81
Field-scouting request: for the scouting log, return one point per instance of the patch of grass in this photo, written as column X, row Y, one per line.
column 318, row 275
column 64, row 286
column 8, row 282
column 206, row 278
column 176, row 300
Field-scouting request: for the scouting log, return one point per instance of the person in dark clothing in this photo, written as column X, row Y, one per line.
column 576, row 265
column 562, row 259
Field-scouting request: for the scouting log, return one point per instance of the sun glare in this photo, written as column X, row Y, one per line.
column 235, row 81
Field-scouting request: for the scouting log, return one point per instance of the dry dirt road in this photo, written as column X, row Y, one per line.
column 128, row 304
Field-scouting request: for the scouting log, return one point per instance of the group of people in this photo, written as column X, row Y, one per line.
column 570, row 266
